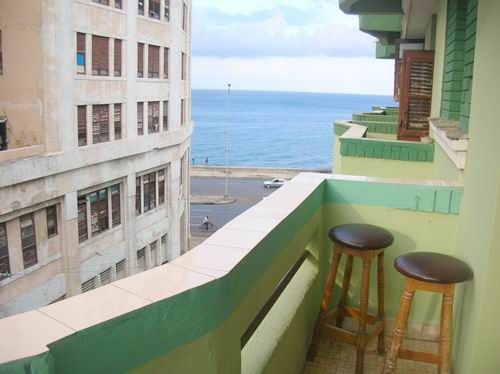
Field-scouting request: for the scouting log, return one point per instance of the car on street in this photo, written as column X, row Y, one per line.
column 275, row 183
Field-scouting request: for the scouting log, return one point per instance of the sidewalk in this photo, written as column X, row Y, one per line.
column 207, row 199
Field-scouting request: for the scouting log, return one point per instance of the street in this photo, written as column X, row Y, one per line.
column 247, row 193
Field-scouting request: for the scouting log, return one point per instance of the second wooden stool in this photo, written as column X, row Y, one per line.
column 365, row 242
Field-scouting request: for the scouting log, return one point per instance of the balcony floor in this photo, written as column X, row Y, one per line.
column 340, row 358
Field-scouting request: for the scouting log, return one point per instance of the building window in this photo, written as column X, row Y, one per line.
column 118, row 121
column 161, row 187
column 149, row 191
column 141, row 259
column 4, row 253
column 184, row 16
column 153, row 61
column 140, row 7
column 183, row 66
column 183, row 111
column 138, row 210
column 154, row 9
column 100, row 123
column 99, row 218
column 152, row 252
column 115, row 205
column 82, row 219
column 88, row 285
column 153, row 117
column 166, row 14
column 165, row 62
column 140, row 60
column 120, row 269
column 28, row 240
column 164, row 248
column 51, row 212
column 140, row 118
column 118, row 58
column 118, row 4
column 103, row 2
column 82, row 125
column 80, row 53
column 100, row 55
column 165, row 115
column 146, row 187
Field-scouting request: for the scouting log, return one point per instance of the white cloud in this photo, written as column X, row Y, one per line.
column 307, row 74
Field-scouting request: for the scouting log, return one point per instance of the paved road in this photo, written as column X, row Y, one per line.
column 247, row 192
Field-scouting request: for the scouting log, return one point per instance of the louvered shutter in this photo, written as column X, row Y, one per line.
column 82, row 219
column 118, row 121
column 140, row 60
column 120, row 269
column 140, row 118
column 82, row 125
column 100, row 123
column 165, row 63
column 118, row 58
column 115, row 205
column 105, row 277
column 141, row 259
column 88, row 285
column 416, row 95
column 100, row 55
column 4, row 253
column 153, row 61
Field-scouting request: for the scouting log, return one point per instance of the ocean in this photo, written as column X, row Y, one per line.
column 271, row 129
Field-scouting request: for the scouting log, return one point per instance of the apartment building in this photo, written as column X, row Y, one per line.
column 95, row 131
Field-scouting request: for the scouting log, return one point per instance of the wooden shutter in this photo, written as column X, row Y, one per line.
column 80, row 53
column 118, row 58
column 165, row 115
column 82, row 219
column 115, row 205
column 100, row 55
column 4, row 253
column 140, row 118
column 165, row 63
column 153, row 61
column 28, row 240
column 416, row 94
column 140, row 60
column 118, row 121
column 82, row 125
column 51, row 213
column 100, row 123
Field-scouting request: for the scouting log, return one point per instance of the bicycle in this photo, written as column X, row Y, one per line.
column 210, row 226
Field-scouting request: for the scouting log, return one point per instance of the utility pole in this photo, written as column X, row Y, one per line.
column 226, row 145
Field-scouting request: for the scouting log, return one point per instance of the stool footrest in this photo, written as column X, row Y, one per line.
column 353, row 313
column 429, row 358
column 353, row 338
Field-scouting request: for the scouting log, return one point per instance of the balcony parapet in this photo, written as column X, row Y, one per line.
column 355, row 143
column 451, row 138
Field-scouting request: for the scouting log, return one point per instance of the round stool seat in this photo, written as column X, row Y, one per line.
column 433, row 267
column 361, row 236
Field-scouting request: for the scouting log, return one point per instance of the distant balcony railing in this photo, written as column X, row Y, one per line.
column 247, row 298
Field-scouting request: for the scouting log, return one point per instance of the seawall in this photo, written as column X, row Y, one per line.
column 248, row 172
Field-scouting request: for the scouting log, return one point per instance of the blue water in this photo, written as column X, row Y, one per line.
column 272, row 129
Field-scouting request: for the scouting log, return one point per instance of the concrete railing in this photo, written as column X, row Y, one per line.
column 191, row 315
column 248, row 172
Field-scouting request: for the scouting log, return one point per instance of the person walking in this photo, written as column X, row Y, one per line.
column 206, row 161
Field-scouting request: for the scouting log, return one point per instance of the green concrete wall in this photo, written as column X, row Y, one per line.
column 439, row 55
column 476, row 341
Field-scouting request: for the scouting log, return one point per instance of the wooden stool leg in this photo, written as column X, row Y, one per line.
column 325, row 302
column 363, row 311
column 381, row 302
column 400, row 326
column 446, row 329
column 345, row 289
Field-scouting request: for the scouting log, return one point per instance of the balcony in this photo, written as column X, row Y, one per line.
column 247, row 298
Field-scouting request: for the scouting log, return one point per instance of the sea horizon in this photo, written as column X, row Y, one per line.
column 278, row 129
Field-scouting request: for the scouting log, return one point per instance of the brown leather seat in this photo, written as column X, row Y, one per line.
column 433, row 267
column 361, row 236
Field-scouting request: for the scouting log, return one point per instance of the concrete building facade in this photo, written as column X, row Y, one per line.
column 95, row 131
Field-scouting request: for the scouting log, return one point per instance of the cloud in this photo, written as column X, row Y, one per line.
column 358, row 75
column 253, row 29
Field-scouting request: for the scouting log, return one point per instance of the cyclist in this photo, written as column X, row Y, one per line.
column 206, row 222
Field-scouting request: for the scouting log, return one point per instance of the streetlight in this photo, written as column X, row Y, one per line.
column 226, row 145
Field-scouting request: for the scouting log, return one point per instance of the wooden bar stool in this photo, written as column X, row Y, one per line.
column 433, row 272
column 365, row 242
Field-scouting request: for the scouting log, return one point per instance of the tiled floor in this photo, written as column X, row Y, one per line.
column 339, row 358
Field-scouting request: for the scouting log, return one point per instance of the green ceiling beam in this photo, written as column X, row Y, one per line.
column 387, row 28
column 385, row 51
column 371, row 6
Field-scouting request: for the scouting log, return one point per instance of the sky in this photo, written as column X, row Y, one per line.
column 284, row 45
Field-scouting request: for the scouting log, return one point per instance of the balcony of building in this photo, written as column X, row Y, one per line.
column 246, row 299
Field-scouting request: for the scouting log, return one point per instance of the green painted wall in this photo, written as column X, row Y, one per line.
column 476, row 342
column 439, row 55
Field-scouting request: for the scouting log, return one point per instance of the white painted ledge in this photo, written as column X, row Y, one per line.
column 455, row 148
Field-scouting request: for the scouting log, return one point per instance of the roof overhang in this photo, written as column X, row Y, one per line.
column 416, row 17
column 371, row 6
column 385, row 51
column 387, row 28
